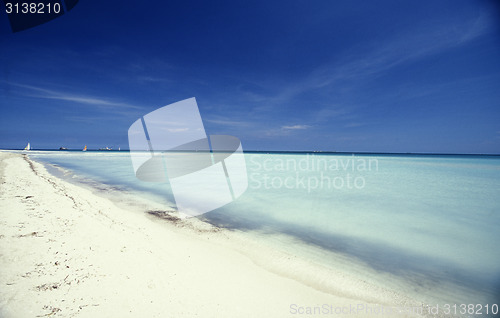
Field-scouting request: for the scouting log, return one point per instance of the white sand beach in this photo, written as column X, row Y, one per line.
column 66, row 252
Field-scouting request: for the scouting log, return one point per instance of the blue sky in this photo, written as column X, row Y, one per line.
column 382, row 76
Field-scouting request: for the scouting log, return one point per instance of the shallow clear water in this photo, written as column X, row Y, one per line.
column 432, row 221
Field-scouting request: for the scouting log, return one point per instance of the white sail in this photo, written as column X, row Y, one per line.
column 28, row 146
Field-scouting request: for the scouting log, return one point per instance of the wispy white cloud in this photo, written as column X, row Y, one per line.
column 286, row 130
column 295, row 127
column 224, row 121
column 359, row 64
column 152, row 79
column 83, row 119
column 419, row 43
column 100, row 102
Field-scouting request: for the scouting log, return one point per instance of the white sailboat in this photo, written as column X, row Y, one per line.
column 28, row 146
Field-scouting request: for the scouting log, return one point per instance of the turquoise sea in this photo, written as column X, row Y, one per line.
column 428, row 225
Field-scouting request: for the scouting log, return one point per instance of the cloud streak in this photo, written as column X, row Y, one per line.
column 364, row 63
column 295, row 127
column 405, row 48
column 80, row 99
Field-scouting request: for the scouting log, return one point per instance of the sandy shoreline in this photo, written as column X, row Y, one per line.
column 66, row 252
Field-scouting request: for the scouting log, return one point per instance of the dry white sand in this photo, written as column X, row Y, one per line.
column 66, row 252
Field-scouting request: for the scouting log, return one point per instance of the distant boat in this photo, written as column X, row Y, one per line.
column 106, row 148
column 85, row 148
column 28, row 147
column 63, row 148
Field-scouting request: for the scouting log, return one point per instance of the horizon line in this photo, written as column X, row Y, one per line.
column 286, row 151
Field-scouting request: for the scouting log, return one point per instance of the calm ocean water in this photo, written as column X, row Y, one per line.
column 429, row 225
